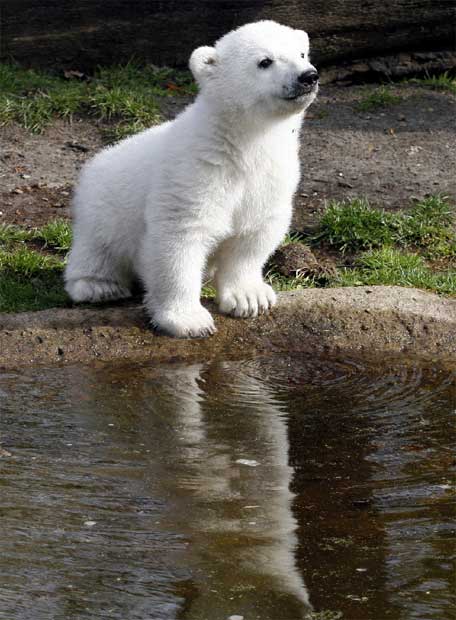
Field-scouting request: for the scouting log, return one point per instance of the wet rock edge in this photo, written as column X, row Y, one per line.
column 365, row 322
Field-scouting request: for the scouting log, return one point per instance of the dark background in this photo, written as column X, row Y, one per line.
column 84, row 33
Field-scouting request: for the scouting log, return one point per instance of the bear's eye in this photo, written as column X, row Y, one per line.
column 265, row 63
column 303, row 55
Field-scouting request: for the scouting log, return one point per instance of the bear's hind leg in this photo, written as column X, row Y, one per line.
column 93, row 276
column 92, row 290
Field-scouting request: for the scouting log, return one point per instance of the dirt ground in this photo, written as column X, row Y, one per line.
column 391, row 155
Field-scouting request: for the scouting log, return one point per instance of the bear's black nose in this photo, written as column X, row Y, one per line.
column 308, row 77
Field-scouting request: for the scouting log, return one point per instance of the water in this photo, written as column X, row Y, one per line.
column 262, row 489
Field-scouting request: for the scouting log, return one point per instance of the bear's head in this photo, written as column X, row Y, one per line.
column 262, row 67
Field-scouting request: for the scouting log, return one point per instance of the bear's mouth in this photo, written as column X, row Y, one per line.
column 295, row 97
column 301, row 92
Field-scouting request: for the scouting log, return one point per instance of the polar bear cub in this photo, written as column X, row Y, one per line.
column 207, row 193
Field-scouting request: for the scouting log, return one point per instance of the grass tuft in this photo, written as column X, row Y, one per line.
column 124, row 93
column 10, row 234
column 208, row 291
column 430, row 225
column 38, row 293
column 122, row 103
column 293, row 237
column 25, row 262
column 444, row 81
column 380, row 98
column 282, row 283
column 56, row 234
column 388, row 266
column 122, row 129
column 354, row 226
column 30, row 280
column 160, row 81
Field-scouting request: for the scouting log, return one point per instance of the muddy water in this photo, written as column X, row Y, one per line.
column 263, row 490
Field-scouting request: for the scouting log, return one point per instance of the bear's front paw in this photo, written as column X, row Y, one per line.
column 196, row 323
column 246, row 300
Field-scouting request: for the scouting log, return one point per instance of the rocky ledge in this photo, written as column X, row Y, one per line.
column 363, row 321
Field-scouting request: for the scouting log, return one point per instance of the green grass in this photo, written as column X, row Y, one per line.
column 293, row 237
column 30, row 280
column 382, row 97
column 160, row 81
column 10, row 234
column 208, row 291
column 282, row 283
column 55, row 234
column 353, row 226
column 22, row 295
column 35, row 108
column 26, row 262
column 430, row 226
column 444, row 81
column 124, row 94
column 123, row 129
column 389, row 266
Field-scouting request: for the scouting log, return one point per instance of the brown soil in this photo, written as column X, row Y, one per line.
column 37, row 172
column 390, row 155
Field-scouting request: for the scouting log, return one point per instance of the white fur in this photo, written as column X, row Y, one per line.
column 210, row 192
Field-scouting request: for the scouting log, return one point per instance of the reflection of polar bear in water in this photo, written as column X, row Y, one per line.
column 210, row 190
column 231, row 480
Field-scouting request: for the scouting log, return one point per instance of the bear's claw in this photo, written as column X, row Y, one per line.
column 249, row 301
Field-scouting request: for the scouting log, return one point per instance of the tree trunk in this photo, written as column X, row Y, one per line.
column 84, row 33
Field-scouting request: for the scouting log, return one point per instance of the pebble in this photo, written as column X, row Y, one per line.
column 90, row 523
column 248, row 462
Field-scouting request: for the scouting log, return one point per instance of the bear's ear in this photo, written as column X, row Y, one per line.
column 202, row 62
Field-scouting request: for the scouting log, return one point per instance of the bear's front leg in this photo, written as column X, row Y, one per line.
column 241, row 290
column 172, row 270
